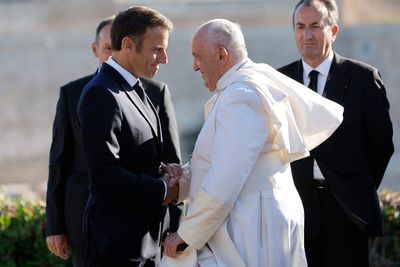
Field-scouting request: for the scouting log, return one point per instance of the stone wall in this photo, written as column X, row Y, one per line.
column 49, row 45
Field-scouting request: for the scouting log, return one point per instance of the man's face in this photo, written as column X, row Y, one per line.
column 314, row 37
column 206, row 60
column 102, row 48
column 153, row 52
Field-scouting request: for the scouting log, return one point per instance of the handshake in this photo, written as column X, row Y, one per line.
column 171, row 173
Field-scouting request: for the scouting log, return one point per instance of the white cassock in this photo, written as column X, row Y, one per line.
column 243, row 207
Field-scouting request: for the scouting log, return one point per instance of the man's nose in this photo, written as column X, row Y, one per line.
column 307, row 34
column 163, row 57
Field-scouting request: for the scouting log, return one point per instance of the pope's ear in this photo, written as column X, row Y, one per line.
column 223, row 54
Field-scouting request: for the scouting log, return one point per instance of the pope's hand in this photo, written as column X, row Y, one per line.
column 171, row 243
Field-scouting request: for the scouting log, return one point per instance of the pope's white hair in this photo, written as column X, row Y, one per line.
column 224, row 33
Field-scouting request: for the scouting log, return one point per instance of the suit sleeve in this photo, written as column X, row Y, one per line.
column 378, row 126
column 58, row 159
column 241, row 132
column 101, row 118
column 171, row 147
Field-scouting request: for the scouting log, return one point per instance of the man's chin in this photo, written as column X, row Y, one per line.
column 150, row 75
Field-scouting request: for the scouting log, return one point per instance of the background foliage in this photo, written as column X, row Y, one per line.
column 22, row 241
column 385, row 250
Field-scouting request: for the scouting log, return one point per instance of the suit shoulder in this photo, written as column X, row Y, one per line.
column 81, row 82
column 77, row 85
column 358, row 65
column 289, row 68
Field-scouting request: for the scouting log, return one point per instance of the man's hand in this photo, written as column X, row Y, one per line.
column 172, row 190
column 171, row 243
column 174, row 170
column 58, row 245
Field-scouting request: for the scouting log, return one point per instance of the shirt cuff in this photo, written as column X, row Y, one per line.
column 166, row 188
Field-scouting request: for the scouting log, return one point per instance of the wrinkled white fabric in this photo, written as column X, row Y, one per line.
column 241, row 198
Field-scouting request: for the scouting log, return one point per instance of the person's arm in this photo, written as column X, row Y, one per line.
column 60, row 153
column 241, row 132
column 378, row 126
column 100, row 117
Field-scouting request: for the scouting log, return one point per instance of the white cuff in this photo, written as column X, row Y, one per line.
column 166, row 189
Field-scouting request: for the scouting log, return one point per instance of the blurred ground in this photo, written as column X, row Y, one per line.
column 46, row 43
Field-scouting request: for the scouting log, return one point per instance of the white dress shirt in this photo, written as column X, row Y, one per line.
column 323, row 72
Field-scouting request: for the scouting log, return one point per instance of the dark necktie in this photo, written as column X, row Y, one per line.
column 142, row 95
column 139, row 91
column 313, row 80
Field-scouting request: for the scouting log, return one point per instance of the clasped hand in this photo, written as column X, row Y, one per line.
column 171, row 244
column 171, row 174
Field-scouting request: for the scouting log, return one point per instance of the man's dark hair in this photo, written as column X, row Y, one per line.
column 133, row 22
column 333, row 13
column 102, row 24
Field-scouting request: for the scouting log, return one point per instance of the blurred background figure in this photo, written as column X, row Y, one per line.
column 67, row 188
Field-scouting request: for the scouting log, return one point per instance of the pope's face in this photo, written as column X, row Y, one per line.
column 206, row 60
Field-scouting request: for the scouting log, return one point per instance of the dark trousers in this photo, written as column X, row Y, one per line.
column 77, row 260
column 340, row 242
column 74, row 206
column 147, row 263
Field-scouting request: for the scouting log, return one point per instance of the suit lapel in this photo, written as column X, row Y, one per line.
column 153, row 121
column 337, row 82
column 298, row 72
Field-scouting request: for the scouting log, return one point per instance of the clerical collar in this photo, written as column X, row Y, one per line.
column 221, row 84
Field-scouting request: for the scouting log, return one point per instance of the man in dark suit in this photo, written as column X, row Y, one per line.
column 67, row 187
column 122, row 146
column 67, row 191
column 338, row 183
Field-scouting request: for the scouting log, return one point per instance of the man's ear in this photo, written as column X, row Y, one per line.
column 94, row 49
column 127, row 43
column 335, row 30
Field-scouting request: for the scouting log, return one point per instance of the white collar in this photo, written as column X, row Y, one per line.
column 132, row 80
column 221, row 83
column 323, row 68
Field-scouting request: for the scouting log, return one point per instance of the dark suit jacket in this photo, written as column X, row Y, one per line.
column 67, row 186
column 122, row 145
column 353, row 160
column 68, row 179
